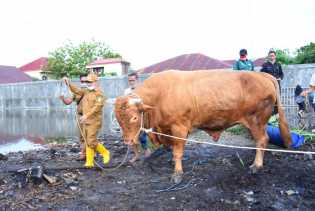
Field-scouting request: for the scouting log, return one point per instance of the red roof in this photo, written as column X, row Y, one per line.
column 107, row 61
column 259, row 62
column 10, row 74
column 37, row 64
column 230, row 62
column 184, row 62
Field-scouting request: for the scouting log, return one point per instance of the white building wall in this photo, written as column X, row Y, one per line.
column 110, row 68
column 34, row 74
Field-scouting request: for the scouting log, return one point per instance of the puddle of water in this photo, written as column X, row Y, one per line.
column 21, row 130
column 19, row 145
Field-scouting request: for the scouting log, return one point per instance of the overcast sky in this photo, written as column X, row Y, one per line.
column 145, row 32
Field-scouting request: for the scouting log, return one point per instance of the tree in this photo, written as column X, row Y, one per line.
column 306, row 54
column 71, row 60
column 284, row 56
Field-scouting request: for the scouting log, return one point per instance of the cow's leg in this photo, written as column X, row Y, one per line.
column 256, row 123
column 178, row 151
column 261, row 137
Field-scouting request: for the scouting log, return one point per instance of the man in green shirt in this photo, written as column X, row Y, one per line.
column 243, row 63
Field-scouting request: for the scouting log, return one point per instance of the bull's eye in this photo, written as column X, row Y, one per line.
column 134, row 119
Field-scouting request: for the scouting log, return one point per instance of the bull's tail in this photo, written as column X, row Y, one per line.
column 283, row 123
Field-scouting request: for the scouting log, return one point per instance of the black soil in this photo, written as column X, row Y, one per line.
column 215, row 179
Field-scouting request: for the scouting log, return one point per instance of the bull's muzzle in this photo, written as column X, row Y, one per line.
column 129, row 142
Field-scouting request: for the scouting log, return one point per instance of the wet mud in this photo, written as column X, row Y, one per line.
column 214, row 179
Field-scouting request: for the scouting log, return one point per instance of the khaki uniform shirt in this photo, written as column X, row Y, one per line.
column 92, row 104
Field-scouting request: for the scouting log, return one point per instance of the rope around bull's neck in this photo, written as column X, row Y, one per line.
column 150, row 130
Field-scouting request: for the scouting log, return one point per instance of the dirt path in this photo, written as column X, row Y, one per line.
column 215, row 179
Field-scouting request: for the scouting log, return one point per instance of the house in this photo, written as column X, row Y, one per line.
column 11, row 74
column 259, row 62
column 112, row 67
column 184, row 62
column 229, row 62
column 35, row 68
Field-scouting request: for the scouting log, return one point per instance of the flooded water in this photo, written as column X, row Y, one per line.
column 22, row 130
column 19, row 144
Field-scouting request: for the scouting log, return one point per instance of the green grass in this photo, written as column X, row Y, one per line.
column 238, row 130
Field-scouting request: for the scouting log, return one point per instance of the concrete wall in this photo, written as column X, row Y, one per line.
column 298, row 74
column 44, row 94
column 34, row 107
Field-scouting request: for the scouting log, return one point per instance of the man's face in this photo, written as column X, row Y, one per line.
column 83, row 83
column 132, row 81
column 91, row 85
column 243, row 57
column 272, row 57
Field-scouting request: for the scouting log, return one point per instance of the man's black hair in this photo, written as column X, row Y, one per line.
column 83, row 75
column 133, row 74
column 243, row 52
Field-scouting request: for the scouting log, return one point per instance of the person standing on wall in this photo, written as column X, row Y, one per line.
column 273, row 67
column 310, row 91
column 243, row 63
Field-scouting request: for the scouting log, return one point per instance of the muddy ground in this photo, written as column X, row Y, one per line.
column 215, row 179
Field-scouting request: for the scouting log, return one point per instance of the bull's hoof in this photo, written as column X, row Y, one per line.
column 253, row 169
column 177, row 178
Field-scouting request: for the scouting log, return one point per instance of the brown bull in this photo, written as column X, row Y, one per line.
column 178, row 101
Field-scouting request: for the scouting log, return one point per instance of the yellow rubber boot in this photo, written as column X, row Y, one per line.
column 89, row 162
column 104, row 152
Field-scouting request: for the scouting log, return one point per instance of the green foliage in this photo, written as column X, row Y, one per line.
column 306, row 54
column 71, row 60
column 238, row 130
column 284, row 56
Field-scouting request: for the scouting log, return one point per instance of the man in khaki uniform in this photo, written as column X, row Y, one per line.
column 92, row 110
column 78, row 99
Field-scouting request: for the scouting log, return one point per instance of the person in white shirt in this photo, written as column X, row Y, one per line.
column 310, row 90
column 143, row 137
column 132, row 82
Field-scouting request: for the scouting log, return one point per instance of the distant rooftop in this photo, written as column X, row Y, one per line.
column 37, row 64
column 11, row 74
column 184, row 62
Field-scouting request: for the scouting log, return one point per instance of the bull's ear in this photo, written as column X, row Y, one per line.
column 144, row 107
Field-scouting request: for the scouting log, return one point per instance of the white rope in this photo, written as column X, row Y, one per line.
column 227, row 146
column 114, row 126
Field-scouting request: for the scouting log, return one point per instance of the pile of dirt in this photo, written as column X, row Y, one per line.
column 215, row 179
